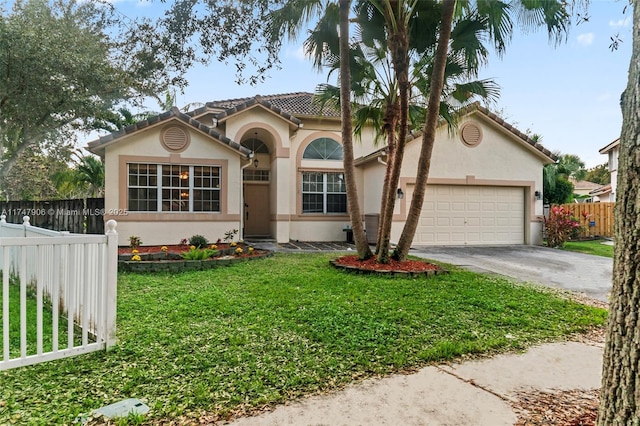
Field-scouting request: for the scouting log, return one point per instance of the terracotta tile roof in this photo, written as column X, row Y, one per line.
column 97, row 146
column 601, row 190
column 288, row 105
column 513, row 130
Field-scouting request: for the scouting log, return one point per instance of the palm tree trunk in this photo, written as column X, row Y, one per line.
column 391, row 149
column 429, row 132
column 620, row 392
column 399, row 48
column 391, row 122
column 364, row 252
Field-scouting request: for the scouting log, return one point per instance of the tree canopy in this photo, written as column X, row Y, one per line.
column 65, row 65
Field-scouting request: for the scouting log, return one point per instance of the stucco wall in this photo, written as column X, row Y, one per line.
column 165, row 227
column 499, row 159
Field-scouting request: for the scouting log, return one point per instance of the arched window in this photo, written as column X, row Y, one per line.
column 323, row 149
column 256, row 145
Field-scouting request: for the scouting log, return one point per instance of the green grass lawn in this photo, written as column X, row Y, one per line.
column 31, row 315
column 590, row 247
column 262, row 332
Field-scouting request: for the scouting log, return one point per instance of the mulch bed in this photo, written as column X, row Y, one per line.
column 408, row 267
column 393, row 265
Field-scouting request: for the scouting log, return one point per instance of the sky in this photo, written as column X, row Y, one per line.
column 568, row 94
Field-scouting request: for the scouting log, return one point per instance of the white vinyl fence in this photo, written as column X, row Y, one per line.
column 58, row 294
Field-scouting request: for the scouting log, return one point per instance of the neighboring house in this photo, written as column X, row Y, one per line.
column 583, row 189
column 602, row 194
column 607, row 193
column 271, row 166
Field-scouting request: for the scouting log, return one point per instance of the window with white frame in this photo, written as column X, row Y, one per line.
column 323, row 149
column 323, row 193
column 173, row 188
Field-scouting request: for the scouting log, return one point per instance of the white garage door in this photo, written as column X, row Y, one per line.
column 457, row 215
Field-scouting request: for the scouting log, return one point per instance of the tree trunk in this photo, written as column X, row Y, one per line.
column 347, row 136
column 399, row 49
column 429, row 132
column 620, row 393
column 391, row 152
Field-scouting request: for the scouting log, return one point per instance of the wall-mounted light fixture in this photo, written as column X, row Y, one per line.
column 255, row 163
column 400, row 194
column 538, row 195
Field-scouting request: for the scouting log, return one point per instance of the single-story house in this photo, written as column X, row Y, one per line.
column 602, row 194
column 583, row 189
column 271, row 167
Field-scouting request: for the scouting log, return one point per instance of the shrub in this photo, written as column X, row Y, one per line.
column 560, row 226
column 199, row 254
column 199, row 241
column 134, row 242
column 229, row 235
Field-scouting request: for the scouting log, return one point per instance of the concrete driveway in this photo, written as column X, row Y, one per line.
column 577, row 272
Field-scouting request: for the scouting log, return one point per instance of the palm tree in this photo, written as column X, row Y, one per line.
column 497, row 24
column 413, row 27
column 376, row 102
column 571, row 166
column 90, row 172
column 287, row 22
column 362, row 245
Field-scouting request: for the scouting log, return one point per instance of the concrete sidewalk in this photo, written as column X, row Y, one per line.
column 473, row 393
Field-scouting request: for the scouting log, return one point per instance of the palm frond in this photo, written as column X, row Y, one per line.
column 552, row 14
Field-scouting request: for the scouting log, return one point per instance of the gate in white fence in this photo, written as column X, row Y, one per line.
column 58, row 294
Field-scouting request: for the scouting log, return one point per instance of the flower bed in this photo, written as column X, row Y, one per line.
column 413, row 268
column 170, row 258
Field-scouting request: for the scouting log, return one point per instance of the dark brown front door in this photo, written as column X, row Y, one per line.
column 256, row 210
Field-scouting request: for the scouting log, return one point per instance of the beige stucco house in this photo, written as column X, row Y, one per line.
column 271, row 167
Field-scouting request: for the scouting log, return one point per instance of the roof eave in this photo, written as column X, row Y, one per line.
column 99, row 146
column 609, row 147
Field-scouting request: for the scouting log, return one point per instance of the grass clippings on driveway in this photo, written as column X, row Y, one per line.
column 232, row 339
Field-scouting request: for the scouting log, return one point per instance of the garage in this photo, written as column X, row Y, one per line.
column 474, row 215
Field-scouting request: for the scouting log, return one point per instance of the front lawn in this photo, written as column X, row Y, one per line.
column 590, row 247
column 230, row 339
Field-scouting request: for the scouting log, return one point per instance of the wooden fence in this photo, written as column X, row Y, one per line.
column 596, row 219
column 77, row 216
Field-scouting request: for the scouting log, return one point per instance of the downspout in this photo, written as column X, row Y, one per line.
column 241, row 231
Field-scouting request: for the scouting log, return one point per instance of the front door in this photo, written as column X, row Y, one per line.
column 256, row 210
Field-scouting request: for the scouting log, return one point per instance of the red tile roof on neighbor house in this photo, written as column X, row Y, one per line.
column 601, row 190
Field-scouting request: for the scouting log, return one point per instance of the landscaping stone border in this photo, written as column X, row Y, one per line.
column 175, row 263
column 356, row 270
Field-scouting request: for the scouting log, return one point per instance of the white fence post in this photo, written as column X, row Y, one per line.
column 112, row 282
column 25, row 224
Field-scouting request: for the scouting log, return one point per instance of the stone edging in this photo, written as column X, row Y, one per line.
column 356, row 270
column 185, row 265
